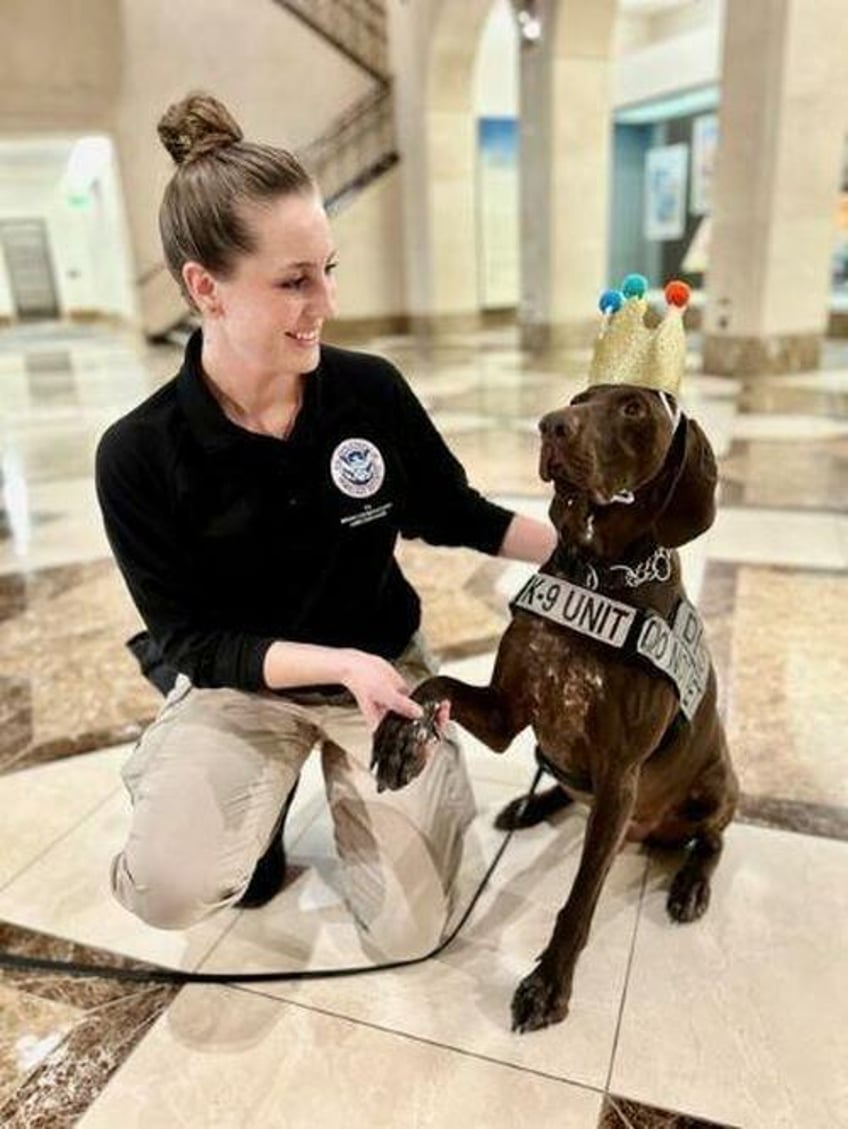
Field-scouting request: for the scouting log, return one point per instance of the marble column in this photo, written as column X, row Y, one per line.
column 433, row 47
column 782, row 128
column 565, row 93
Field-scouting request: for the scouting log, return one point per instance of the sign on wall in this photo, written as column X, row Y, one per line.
column 704, row 146
column 665, row 192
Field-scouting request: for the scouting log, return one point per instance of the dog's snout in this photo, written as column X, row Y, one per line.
column 556, row 425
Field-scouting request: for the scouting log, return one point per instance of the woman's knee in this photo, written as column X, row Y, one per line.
column 404, row 932
column 165, row 897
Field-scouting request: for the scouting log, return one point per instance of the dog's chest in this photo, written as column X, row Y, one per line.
column 564, row 681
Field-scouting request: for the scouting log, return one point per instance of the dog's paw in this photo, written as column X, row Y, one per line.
column 527, row 811
column 401, row 746
column 689, row 896
column 538, row 1002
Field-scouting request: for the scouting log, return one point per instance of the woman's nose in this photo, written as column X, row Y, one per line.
column 324, row 301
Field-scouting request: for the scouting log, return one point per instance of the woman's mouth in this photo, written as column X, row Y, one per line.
column 305, row 340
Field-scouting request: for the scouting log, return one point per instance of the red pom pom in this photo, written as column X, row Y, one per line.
column 677, row 293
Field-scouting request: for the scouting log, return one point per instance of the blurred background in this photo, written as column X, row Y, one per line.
column 489, row 167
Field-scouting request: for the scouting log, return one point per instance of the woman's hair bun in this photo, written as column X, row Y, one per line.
column 198, row 125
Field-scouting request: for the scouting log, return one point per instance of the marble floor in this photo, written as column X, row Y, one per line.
column 737, row 1021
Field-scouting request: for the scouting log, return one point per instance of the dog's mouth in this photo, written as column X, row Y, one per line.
column 575, row 477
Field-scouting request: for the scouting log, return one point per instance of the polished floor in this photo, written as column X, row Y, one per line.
column 738, row 1020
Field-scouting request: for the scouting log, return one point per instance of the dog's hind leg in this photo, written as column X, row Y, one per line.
column 528, row 810
column 689, row 895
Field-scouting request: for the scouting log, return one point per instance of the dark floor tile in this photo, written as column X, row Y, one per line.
column 828, row 821
column 111, row 1018
column 13, row 590
column 717, row 605
column 622, row 1113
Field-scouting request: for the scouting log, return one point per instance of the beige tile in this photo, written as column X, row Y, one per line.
column 787, row 711
column 787, row 537
column 462, row 998
column 741, row 1018
column 40, row 805
column 66, row 892
column 235, row 1060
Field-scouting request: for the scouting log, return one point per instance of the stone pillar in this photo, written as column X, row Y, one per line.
column 782, row 126
column 565, row 168
column 433, row 46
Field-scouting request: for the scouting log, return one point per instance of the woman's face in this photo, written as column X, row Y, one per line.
column 267, row 316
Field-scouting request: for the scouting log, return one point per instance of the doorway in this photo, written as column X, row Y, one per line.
column 32, row 282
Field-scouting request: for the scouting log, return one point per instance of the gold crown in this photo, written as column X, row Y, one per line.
column 628, row 351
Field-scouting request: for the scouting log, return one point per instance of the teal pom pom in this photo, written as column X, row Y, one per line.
column 611, row 301
column 634, row 286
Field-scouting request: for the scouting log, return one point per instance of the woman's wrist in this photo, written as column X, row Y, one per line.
column 288, row 665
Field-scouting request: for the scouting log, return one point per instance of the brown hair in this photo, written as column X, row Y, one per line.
column 202, row 217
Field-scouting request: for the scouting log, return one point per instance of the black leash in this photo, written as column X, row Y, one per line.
column 174, row 976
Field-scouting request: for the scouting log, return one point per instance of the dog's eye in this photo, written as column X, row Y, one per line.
column 632, row 408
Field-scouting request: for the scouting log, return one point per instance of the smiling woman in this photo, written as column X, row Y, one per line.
column 253, row 505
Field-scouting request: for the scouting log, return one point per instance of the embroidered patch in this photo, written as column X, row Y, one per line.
column 357, row 468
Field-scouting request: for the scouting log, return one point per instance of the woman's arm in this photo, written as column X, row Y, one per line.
column 528, row 540
column 374, row 683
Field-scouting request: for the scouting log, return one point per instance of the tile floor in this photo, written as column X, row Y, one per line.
column 736, row 1021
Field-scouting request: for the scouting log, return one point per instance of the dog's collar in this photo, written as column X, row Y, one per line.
column 656, row 568
column 673, row 408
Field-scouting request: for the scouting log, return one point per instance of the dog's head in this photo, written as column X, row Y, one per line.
column 625, row 464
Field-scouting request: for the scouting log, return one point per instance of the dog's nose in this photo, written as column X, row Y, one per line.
column 557, row 425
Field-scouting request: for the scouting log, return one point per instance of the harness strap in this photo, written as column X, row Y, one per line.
column 674, row 648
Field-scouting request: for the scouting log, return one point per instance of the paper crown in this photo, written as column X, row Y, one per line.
column 627, row 351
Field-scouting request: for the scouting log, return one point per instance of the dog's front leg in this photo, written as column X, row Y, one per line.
column 542, row 997
column 400, row 745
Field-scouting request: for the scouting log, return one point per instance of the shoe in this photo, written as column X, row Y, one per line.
column 269, row 874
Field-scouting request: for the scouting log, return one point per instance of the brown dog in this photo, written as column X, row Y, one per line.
column 623, row 708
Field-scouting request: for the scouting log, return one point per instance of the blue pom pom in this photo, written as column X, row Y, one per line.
column 610, row 301
column 634, row 286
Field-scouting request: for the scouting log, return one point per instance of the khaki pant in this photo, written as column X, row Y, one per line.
column 208, row 780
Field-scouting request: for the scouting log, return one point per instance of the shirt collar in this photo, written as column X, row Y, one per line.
column 211, row 427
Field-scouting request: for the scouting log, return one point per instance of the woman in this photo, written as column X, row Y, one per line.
column 253, row 504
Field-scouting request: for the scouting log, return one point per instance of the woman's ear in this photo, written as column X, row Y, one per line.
column 201, row 288
column 690, row 508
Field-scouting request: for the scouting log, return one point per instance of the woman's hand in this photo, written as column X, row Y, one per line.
column 377, row 687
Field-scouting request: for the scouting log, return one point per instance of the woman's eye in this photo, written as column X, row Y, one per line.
column 293, row 283
column 329, row 268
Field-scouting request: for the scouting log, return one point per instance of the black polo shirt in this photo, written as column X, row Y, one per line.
column 229, row 540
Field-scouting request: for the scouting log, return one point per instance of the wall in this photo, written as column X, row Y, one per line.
column 271, row 60
column 689, row 60
column 254, row 56
column 654, row 56
column 59, row 69
column 371, row 279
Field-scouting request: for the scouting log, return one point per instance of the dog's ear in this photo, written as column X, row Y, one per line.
column 690, row 507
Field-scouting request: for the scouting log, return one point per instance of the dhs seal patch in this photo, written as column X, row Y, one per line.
column 357, row 468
